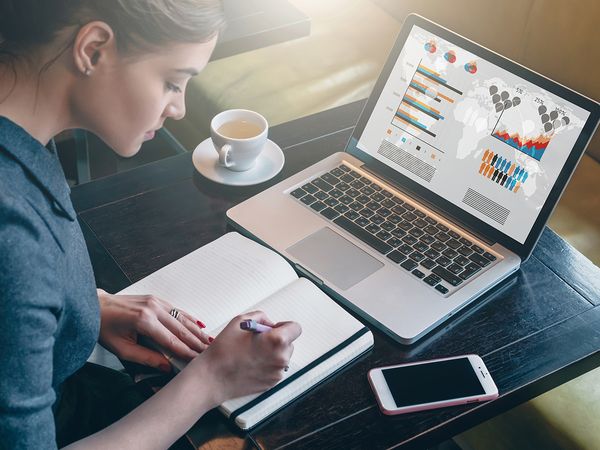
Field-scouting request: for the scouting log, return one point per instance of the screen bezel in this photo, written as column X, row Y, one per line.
column 388, row 403
column 447, row 208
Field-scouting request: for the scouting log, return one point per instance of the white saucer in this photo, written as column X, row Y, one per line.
column 268, row 164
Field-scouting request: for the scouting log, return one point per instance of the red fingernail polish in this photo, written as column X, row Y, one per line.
column 200, row 324
column 210, row 339
column 165, row 368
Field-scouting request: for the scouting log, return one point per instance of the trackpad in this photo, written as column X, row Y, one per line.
column 335, row 258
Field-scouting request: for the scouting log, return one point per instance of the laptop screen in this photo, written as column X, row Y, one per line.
column 479, row 136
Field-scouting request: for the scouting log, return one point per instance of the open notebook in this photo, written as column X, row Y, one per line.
column 234, row 274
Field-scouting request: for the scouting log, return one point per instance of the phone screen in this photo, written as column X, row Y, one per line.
column 432, row 382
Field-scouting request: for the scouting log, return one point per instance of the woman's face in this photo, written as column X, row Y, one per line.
column 125, row 102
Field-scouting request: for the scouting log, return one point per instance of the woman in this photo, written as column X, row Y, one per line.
column 117, row 68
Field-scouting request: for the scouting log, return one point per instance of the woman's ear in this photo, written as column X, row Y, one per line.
column 94, row 44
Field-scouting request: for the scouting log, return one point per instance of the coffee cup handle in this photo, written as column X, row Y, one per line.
column 223, row 154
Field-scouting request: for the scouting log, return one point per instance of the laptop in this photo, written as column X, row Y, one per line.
column 457, row 161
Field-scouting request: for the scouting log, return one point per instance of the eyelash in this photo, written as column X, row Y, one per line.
column 173, row 87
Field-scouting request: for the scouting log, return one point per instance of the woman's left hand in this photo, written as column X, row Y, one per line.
column 126, row 317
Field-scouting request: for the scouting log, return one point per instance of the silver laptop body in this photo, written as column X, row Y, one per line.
column 402, row 252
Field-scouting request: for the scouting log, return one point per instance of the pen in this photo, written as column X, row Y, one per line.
column 255, row 327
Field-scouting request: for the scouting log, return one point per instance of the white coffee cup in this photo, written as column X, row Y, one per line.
column 239, row 136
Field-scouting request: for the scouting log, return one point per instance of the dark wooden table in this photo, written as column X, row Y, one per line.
column 535, row 332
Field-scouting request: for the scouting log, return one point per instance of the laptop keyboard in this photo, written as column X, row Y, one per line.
column 439, row 256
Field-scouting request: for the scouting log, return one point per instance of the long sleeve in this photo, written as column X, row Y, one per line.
column 29, row 306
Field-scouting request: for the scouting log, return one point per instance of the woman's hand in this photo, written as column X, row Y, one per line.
column 124, row 318
column 242, row 362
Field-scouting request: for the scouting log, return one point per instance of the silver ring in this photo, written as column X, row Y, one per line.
column 175, row 313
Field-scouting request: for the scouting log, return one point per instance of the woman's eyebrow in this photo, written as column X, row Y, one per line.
column 189, row 71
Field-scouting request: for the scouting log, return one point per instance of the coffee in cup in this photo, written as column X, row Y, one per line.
column 239, row 136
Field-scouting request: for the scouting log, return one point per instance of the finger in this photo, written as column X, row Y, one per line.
column 193, row 328
column 143, row 355
column 186, row 335
column 258, row 316
column 197, row 324
column 167, row 340
column 287, row 331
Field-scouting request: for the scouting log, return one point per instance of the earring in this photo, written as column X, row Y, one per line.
column 87, row 72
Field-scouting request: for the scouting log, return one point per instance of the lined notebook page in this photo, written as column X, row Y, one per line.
column 219, row 280
column 324, row 324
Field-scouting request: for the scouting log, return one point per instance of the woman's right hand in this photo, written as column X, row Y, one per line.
column 242, row 362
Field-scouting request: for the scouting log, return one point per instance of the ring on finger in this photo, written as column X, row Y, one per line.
column 175, row 313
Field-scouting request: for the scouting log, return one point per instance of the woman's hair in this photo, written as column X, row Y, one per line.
column 138, row 25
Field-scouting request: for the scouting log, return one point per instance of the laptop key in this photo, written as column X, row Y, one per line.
column 432, row 254
column 373, row 205
column 372, row 228
column 489, row 256
column 447, row 275
column 409, row 206
column 428, row 263
column 377, row 219
column 396, row 256
column 443, row 261
column 331, row 202
column 477, row 249
column 453, row 243
column 362, row 221
column 473, row 266
column 367, row 190
column 441, row 288
column 336, row 193
column 405, row 225
column 465, row 251
column 346, row 199
column 416, row 256
column 442, row 227
column 387, row 203
column 405, row 249
column 465, row 241
column 354, row 174
column 343, row 186
column 384, row 212
column 318, row 206
column 355, row 206
column 449, row 253
column 466, row 274
column 455, row 268
column 357, row 184
column 409, row 264
column 410, row 240
column 409, row 216
column 420, row 223
column 388, row 226
column 478, row 259
column 341, row 208
column 322, row 184
column 454, row 234
column 329, row 178
column 416, row 232
column 366, row 212
column 383, row 235
column 378, row 197
column 397, row 200
column 387, row 194
column 394, row 242
column 365, row 180
column 362, row 234
column 430, row 229
column 432, row 280
column 321, row 195
column 308, row 199
column 417, row 273
column 330, row 213
column 420, row 213
column 438, row 246
column 375, row 187
column 298, row 193
column 310, row 188
column 351, row 215
column 431, row 220
column 398, row 232
column 363, row 199
column 441, row 236
column 399, row 210
column 353, row 192
column 337, row 172
column 427, row 239
column 395, row 218
column 347, row 178
column 420, row 247
column 460, row 259
column 344, row 167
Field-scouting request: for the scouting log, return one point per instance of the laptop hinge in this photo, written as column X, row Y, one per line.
column 429, row 205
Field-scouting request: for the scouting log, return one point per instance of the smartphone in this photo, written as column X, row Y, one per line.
column 432, row 384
